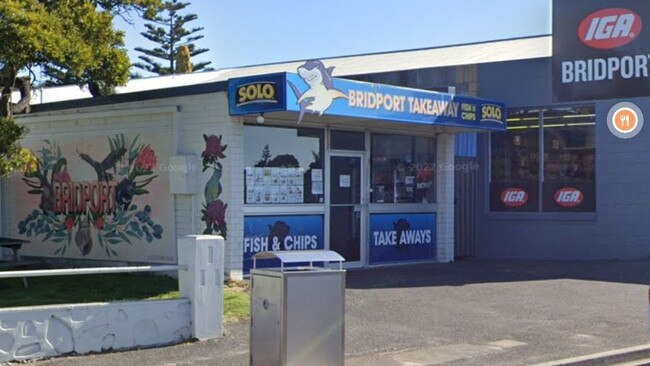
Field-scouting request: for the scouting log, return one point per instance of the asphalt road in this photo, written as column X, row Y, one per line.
column 474, row 312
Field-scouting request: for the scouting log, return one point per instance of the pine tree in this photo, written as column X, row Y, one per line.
column 167, row 29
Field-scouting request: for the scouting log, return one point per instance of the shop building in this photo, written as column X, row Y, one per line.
column 381, row 183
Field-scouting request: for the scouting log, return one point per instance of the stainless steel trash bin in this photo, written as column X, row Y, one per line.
column 297, row 313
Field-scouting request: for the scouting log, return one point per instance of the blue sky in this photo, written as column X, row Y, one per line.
column 249, row 32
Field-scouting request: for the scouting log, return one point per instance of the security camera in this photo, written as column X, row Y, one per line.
column 260, row 119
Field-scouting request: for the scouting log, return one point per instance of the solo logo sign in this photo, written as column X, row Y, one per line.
column 514, row 197
column 610, row 28
column 625, row 120
column 259, row 92
column 568, row 197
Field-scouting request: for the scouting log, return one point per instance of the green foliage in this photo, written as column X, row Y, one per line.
column 167, row 30
column 72, row 41
column 12, row 155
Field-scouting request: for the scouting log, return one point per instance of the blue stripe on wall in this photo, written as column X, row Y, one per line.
column 466, row 145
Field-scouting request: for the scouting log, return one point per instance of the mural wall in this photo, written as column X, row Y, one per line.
column 96, row 197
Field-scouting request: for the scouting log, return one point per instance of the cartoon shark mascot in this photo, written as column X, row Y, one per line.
column 320, row 93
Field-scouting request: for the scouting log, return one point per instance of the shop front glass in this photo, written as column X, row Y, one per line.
column 284, row 191
column 556, row 175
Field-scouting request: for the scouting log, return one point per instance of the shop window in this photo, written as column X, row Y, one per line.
column 402, row 169
column 283, row 165
column 569, row 159
column 567, row 156
column 515, row 163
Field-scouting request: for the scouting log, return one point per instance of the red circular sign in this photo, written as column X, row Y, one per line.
column 568, row 197
column 610, row 28
column 514, row 197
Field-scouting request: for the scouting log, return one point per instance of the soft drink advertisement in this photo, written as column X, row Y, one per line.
column 271, row 233
column 402, row 237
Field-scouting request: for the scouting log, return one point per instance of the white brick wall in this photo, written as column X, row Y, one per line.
column 445, row 196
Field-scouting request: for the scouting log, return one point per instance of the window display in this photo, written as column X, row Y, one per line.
column 283, row 165
column 567, row 152
column 515, row 163
column 402, row 169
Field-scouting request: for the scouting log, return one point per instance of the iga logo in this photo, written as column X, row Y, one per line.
column 568, row 197
column 610, row 28
column 514, row 197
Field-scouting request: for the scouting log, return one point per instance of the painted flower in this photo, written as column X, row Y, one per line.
column 69, row 224
column 146, row 160
column 216, row 213
column 99, row 223
column 213, row 147
column 62, row 177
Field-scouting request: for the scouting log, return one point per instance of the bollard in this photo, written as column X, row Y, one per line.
column 202, row 282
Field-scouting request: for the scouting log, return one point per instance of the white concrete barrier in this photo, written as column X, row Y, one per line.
column 46, row 331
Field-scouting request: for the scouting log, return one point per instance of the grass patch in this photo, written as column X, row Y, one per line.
column 112, row 287
column 236, row 301
column 86, row 288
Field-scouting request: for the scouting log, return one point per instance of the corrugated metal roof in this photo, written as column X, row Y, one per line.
column 469, row 54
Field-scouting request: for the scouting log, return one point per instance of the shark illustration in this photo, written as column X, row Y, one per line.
column 320, row 93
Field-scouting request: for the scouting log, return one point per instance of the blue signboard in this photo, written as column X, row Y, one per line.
column 257, row 94
column 402, row 237
column 314, row 91
column 269, row 233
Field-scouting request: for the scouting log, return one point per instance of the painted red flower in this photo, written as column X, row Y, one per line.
column 62, row 176
column 69, row 224
column 213, row 147
column 146, row 160
column 99, row 223
column 216, row 213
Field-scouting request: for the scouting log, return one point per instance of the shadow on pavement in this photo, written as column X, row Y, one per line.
column 473, row 271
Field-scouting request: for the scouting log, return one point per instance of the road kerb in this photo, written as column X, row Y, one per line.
column 604, row 358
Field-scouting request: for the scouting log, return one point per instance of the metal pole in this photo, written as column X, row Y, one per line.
column 83, row 271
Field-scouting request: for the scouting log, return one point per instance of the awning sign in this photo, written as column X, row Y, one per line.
column 313, row 91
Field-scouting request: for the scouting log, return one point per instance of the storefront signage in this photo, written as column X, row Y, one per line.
column 271, row 233
column 313, row 91
column 402, row 237
column 514, row 197
column 600, row 49
column 568, row 197
column 625, row 120
column 257, row 94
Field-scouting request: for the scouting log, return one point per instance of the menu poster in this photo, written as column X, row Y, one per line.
column 275, row 185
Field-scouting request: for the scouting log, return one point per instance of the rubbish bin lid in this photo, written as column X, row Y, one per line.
column 297, row 256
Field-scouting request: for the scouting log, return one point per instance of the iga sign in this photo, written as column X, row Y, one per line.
column 600, row 49
column 514, row 197
column 402, row 237
column 272, row 233
column 568, row 197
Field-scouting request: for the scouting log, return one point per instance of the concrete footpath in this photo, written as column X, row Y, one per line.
column 474, row 312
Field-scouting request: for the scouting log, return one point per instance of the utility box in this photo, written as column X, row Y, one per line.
column 298, row 313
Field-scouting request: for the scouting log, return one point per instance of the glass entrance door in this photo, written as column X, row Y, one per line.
column 346, row 219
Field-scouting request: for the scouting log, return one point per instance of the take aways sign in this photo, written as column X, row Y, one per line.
column 402, row 237
column 600, row 49
column 271, row 233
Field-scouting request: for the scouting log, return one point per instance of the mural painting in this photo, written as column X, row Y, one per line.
column 100, row 198
column 214, row 209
